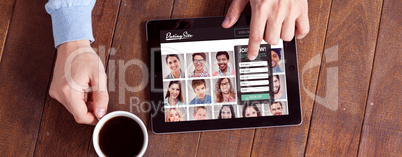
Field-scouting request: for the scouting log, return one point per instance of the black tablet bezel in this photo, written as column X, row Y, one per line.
column 159, row 125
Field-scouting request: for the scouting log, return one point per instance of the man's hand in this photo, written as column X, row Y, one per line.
column 79, row 82
column 271, row 20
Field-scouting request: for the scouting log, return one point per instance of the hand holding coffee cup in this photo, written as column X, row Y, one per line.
column 120, row 133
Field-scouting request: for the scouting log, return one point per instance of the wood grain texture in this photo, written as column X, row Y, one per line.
column 364, row 122
column 382, row 128
column 59, row 134
column 291, row 141
column 6, row 12
column 201, row 8
column 344, row 78
column 246, row 10
column 226, row 143
column 104, row 19
column 25, row 71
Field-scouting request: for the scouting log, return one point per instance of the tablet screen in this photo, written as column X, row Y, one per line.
column 208, row 76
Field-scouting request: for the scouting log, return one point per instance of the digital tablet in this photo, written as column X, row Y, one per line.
column 201, row 78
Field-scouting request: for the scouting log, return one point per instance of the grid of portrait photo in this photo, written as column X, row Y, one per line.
column 199, row 83
column 202, row 86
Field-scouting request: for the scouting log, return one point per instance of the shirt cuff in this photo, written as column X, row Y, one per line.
column 71, row 22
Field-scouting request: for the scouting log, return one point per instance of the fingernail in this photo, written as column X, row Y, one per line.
column 101, row 112
column 251, row 57
column 226, row 21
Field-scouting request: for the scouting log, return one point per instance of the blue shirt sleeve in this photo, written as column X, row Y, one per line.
column 71, row 20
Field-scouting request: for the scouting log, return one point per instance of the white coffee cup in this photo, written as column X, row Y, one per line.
column 104, row 119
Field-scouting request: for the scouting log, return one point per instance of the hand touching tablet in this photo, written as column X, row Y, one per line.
column 271, row 20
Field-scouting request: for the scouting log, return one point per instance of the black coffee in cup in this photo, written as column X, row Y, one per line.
column 121, row 136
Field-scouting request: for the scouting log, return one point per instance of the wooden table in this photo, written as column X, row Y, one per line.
column 349, row 66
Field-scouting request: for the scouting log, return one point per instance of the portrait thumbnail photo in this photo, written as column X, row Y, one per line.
column 277, row 108
column 223, row 63
column 198, row 64
column 277, row 59
column 224, row 89
column 226, row 111
column 173, row 66
column 200, row 113
column 199, row 91
column 174, row 94
column 176, row 114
